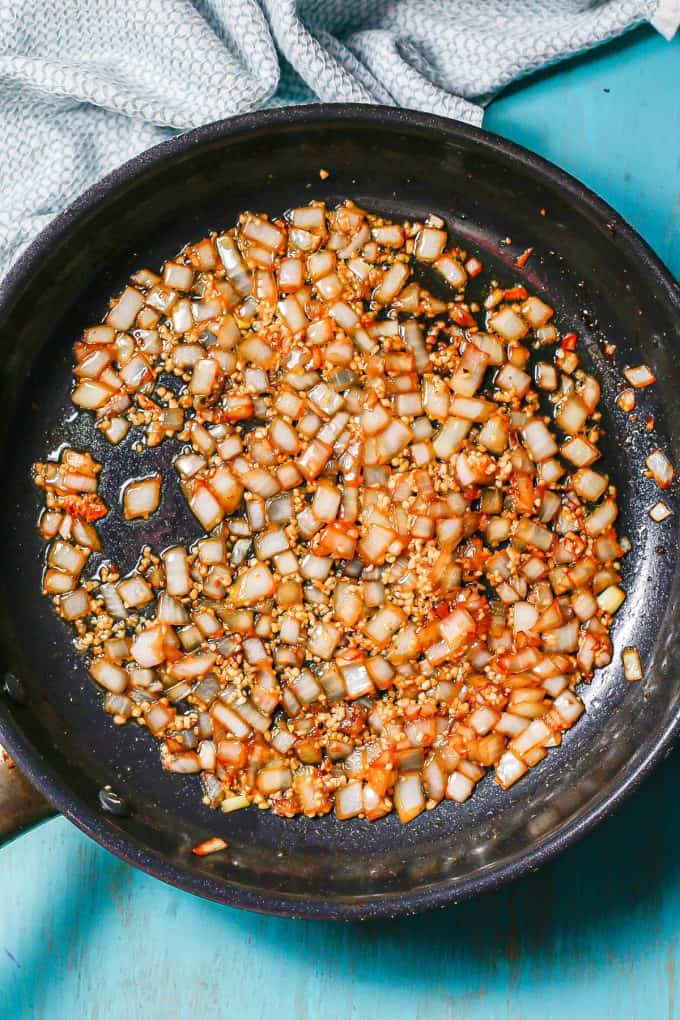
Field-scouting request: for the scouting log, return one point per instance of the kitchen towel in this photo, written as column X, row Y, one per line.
column 86, row 84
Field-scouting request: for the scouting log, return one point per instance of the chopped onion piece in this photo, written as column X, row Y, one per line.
column 572, row 415
column 539, row 441
column 660, row 512
column 589, row 484
column 632, row 666
column 640, row 376
column 292, row 314
column 191, row 666
column 345, row 317
column 601, row 518
column 234, row 803
column 171, row 611
column 271, row 543
column 509, row 769
column 112, row 677
column 536, row 312
column 142, row 498
column 513, row 380
column 135, row 591
column 450, row 437
column 430, row 244
column 568, row 707
column 452, row 271
column 457, row 627
column 660, row 468
column 409, row 798
column 459, row 787
column 611, row 599
column 508, row 324
column 91, row 394
column 253, row 585
column 626, row 400
column 124, row 311
column 205, row 507
column 580, row 451
column 261, row 231
column 210, row 846
column 67, row 557
column 148, row 648
column 392, row 283
column 358, row 683
column 348, row 801
column 75, row 604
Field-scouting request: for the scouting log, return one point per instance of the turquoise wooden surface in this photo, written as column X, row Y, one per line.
column 593, row 935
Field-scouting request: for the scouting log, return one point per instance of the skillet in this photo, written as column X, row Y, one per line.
column 603, row 282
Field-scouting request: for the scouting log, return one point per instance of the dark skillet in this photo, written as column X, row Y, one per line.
column 604, row 283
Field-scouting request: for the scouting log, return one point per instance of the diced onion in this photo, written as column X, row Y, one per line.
column 452, row 271
column 459, row 787
column 75, row 604
column 253, row 585
column 142, row 498
column 660, row 468
column 124, row 311
column 348, row 801
column 660, row 512
column 509, row 769
column 639, row 376
column 632, row 666
column 397, row 571
column 409, row 798
column 508, row 324
column 430, row 244
column 110, row 676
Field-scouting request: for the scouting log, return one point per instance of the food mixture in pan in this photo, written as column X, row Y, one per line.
column 410, row 557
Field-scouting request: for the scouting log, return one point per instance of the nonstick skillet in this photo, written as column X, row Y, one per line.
column 604, row 283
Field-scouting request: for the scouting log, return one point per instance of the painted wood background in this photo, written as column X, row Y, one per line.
column 593, row 936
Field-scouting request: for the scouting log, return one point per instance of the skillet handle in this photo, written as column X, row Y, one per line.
column 21, row 806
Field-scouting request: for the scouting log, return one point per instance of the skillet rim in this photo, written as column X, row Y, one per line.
column 50, row 782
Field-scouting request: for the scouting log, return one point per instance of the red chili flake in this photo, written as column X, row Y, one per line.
column 522, row 259
column 543, row 212
column 461, row 316
column 569, row 341
column 609, row 350
column 352, row 654
column 441, row 608
column 316, row 360
column 473, row 266
column 649, row 424
column 89, row 508
column 516, row 294
column 172, row 654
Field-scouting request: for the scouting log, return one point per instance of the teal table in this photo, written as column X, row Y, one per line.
column 593, row 935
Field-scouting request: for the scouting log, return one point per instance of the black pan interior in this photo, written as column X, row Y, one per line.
column 602, row 282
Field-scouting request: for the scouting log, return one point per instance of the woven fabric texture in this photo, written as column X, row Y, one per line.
column 86, row 84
